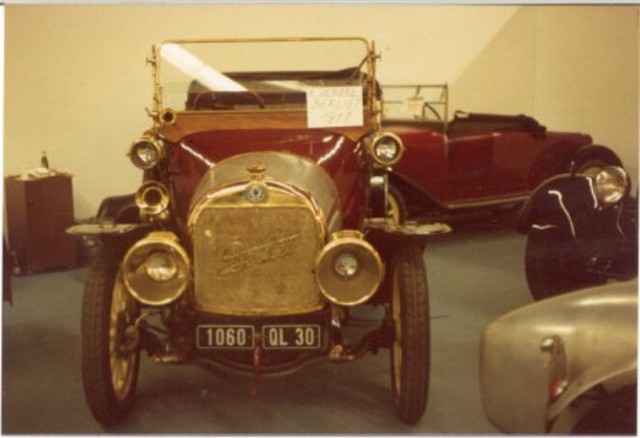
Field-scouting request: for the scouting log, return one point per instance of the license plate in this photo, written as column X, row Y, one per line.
column 291, row 336
column 225, row 336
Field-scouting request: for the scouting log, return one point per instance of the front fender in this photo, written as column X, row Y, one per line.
column 596, row 341
column 120, row 209
column 594, row 153
column 384, row 232
column 118, row 216
column 568, row 202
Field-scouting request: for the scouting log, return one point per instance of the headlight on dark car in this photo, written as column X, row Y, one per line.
column 156, row 269
column 146, row 153
column 385, row 149
column 610, row 184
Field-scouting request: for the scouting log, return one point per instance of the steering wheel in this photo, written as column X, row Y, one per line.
column 428, row 106
column 225, row 100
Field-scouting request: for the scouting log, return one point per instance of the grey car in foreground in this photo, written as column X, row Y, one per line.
column 564, row 364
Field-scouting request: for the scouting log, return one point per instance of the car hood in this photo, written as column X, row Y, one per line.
column 196, row 154
column 323, row 147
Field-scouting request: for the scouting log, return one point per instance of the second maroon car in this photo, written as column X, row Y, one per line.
column 475, row 160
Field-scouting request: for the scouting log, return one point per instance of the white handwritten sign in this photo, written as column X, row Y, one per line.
column 334, row 106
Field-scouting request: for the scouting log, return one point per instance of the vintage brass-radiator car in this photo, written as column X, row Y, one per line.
column 261, row 220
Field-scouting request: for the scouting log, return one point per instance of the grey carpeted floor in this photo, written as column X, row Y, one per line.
column 475, row 275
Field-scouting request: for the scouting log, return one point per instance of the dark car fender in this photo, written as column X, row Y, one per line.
column 568, row 202
column 119, row 209
column 117, row 217
column 594, row 153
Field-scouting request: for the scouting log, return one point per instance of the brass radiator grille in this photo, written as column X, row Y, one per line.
column 256, row 259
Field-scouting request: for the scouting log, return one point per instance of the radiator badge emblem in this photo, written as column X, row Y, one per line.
column 256, row 193
column 236, row 257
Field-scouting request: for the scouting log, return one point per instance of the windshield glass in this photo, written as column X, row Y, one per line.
column 276, row 75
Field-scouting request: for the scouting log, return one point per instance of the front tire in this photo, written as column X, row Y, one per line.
column 110, row 353
column 555, row 264
column 410, row 351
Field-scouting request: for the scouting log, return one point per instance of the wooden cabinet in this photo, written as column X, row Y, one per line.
column 39, row 210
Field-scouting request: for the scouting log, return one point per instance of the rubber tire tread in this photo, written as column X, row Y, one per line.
column 411, row 402
column 96, row 366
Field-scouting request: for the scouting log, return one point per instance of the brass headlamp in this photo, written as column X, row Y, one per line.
column 385, row 149
column 146, row 152
column 348, row 269
column 157, row 269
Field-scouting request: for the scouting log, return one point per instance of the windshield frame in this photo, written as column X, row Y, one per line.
column 162, row 115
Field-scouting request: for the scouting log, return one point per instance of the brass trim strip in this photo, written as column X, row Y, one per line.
column 265, row 40
column 458, row 205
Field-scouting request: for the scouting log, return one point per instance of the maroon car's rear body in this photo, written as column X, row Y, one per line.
column 471, row 166
column 474, row 160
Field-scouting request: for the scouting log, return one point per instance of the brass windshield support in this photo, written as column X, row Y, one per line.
column 156, row 106
column 374, row 99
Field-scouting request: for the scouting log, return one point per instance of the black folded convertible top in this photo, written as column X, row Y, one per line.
column 474, row 122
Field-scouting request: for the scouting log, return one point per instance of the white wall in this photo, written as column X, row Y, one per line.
column 77, row 84
column 575, row 68
column 587, row 75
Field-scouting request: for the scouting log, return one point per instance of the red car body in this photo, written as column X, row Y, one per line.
column 481, row 160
